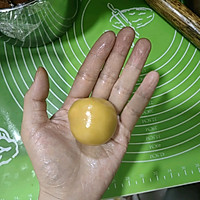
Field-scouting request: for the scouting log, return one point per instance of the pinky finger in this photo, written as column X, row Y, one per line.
column 135, row 107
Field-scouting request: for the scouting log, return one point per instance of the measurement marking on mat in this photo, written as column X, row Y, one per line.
column 185, row 172
column 170, row 172
column 143, row 180
column 129, row 183
column 157, row 178
column 128, row 180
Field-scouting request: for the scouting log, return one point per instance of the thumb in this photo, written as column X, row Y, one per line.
column 35, row 112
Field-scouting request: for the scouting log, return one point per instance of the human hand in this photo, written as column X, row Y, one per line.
column 65, row 168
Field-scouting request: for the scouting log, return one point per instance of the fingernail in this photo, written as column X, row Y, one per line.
column 36, row 74
column 145, row 46
column 153, row 78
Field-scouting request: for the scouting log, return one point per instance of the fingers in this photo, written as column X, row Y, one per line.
column 125, row 84
column 35, row 101
column 93, row 64
column 135, row 107
column 114, row 64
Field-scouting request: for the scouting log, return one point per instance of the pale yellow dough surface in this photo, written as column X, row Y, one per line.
column 93, row 121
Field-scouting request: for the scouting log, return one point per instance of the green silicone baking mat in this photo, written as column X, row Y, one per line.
column 165, row 144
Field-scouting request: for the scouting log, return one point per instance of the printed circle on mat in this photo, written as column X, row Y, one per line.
column 170, row 124
column 135, row 14
column 162, row 131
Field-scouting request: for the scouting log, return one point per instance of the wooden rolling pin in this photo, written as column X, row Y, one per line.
column 181, row 17
column 194, row 5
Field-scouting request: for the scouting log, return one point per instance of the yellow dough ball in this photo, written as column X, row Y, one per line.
column 93, row 121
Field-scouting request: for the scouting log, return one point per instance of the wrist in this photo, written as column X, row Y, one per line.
column 45, row 195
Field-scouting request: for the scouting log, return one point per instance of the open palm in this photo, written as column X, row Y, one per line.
column 65, row 168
